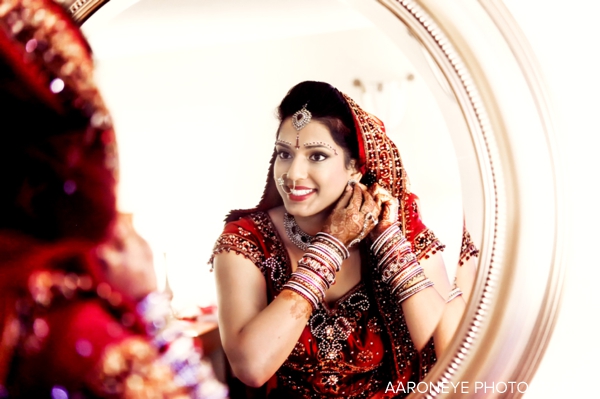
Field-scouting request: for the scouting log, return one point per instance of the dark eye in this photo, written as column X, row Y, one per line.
column 282, row 154
column 318, row 157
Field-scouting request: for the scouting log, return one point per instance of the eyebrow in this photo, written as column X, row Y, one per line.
column 283, row 142
column 320, row 144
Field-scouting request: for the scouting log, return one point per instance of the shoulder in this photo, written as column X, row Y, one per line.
column 252, row 223
column 247, row 236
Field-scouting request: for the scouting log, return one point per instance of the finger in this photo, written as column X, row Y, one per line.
column 389, row 210
column 345, row 198
column 385, row 194
column 370, row 206
column 374, row 189
column 378, row 201
column 357, row 198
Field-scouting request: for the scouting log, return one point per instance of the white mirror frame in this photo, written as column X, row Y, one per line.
column 494, row 76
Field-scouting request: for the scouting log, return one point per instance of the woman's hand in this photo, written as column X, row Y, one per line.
column 389, row 206
column 354, row 215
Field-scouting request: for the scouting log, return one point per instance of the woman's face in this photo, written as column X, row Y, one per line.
column 316, row 172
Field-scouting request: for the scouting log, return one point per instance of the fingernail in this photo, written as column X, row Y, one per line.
column 351, row 182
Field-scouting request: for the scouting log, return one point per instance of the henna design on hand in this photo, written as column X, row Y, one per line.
column 390, row 207
column 349, row 221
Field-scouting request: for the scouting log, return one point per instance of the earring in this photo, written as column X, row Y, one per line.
column 352, row 182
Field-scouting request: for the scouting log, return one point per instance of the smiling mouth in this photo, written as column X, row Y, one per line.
column 299, row 193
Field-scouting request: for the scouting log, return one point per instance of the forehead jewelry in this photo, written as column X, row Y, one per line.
column 320, row 143
column 283, row 142
column 299, row 120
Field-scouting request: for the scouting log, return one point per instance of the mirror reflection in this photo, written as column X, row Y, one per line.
column 189, row 97
column 193, row 90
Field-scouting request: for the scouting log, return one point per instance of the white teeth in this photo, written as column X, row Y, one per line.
column 300, row 192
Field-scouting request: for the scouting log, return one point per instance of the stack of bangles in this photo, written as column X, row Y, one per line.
column 398, row 264
column 317, row 268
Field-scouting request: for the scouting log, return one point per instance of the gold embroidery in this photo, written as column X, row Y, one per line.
column 240, row 245
column 468, row 248
column 383, row 157
column 426, row 244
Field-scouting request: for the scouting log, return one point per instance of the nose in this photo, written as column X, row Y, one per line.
column 297, row 170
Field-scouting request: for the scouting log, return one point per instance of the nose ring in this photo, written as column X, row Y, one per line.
column 281, row 181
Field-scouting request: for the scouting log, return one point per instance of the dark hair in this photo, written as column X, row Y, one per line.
column 327, row 106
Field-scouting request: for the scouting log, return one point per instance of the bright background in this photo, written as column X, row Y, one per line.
column 563, row 36
column 195, row 115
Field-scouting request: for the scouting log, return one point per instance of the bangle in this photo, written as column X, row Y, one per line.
column 307, row 284
column 393, row 230
column 322, row 270
column 454, row 293
column 413, row 289
column 334, row 243
column 303, row 292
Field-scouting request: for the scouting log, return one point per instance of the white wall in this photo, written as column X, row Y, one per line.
column 564, row 35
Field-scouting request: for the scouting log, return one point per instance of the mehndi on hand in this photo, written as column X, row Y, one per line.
column 389, row 206
column 353, row 217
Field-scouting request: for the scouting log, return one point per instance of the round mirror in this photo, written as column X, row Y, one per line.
column 170, row 73
column 193, row 87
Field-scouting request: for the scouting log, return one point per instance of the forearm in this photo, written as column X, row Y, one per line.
column 263, row 344
column 421, row 288
column 448, row 324
column 422, row 313
column 247, row 319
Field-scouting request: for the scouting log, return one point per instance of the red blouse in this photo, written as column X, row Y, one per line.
column 345, row 349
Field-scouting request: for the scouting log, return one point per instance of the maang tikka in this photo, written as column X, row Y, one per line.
column 299, row 120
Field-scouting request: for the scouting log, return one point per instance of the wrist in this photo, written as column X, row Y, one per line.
column 398, row 264
column 383, row 236
column 317, row 268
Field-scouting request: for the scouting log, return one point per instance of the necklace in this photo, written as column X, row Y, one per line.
column 301, row 239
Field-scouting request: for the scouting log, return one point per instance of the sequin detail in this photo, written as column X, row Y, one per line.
column 240, row 245
column 244, row 240
column 350, row 349
column 342, row 358
column 468, row 249
column 426, row 244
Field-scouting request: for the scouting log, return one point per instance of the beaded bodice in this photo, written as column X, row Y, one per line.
column 343, row 351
